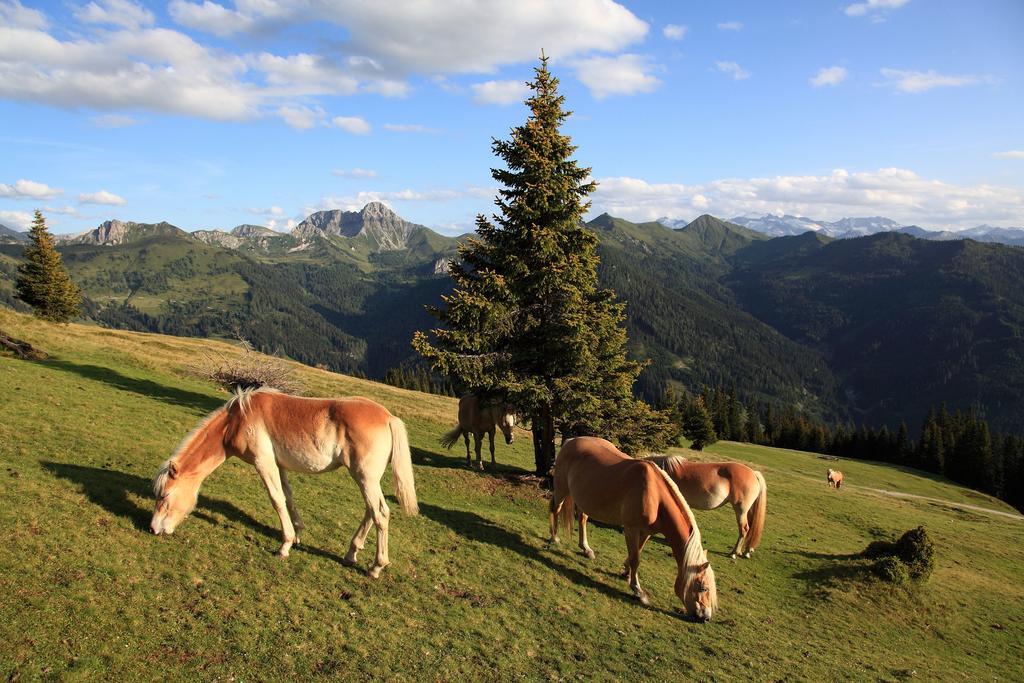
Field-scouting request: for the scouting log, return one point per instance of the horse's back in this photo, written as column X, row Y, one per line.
column 605, row 483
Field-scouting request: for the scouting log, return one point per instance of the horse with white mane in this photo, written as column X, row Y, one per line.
column 710, row 485
column 478, row 417
column 277, row 434
column 608, row 485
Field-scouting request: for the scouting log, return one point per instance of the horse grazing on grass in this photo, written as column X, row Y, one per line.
column 835, row 479
column 709, row 485
column 611, row 487
column 278, row 433
column 478, row 418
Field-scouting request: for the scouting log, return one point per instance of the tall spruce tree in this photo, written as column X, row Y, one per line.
column 527, row 321
column 42, row 281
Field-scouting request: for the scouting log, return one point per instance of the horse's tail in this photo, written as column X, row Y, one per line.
column 756, row 514
column 451, row 436
column 401, row 467
column 565, row 513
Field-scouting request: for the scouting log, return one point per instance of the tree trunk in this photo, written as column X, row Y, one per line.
column 543, row 424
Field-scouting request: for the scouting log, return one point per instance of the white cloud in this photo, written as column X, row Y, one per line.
column 16, row 15
column 923, row 81
column 500, row 92
column 731, row 26
column 832, row 75
column 101, row 197
column 410, row 128
column 28, row 189
column 124, row 13
column 305, row 74
column 354, row 173
column 674, row 31
column 627, row 74
column 1010, row 154
column 873, row 8
column 301, row 118
column 896, row 193
column 19, row 220
column 471, row 36
column 352, row 124
column 734, row 70
column 276, row 211
column 63, row 211
column 112, row 121
column 361, row 199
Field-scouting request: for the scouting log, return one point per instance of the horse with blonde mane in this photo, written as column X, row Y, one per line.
column 608, row 485
column 710, row 485
column 478, row 417
column 277, row 433
column 835, row 479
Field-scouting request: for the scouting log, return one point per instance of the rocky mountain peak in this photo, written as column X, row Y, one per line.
column 382, row 227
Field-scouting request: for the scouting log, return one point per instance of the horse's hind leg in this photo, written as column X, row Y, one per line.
column 584, row 546
column 359, row 539
column 744, row 528
column 292, row 510
column 469, row 460
column 635, row 541
column 478, row 442
column 490, row 439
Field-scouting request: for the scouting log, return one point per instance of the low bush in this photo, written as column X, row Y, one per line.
column 911, row 557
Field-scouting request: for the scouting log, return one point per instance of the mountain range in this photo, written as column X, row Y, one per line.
column 874, row 328
column 845, row 228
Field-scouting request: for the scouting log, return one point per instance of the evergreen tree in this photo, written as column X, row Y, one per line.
column 698, row 426
column 42, row 281
column 526, row 320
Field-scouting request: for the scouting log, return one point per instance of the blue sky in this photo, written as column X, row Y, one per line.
column 210, row 115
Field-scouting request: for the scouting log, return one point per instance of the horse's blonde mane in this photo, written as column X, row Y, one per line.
column 164, row 473
column 243, row 397
column 693, row 552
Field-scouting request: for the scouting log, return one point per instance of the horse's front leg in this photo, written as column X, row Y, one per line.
column 478, row 438
column 635, row 541
column 469, row 459
column 269, row 471
column 292, row 510
column 490, row 438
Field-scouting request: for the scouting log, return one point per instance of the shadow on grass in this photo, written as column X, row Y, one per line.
column 474, row 527
column 109, row 489
column 143, row 387
column 427, row 458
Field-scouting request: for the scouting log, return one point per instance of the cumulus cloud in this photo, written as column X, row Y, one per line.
column 500, row 92
column 304, row 74
column 923, row 81
column 1010, row 154
column 626, row 74
column 101, row 197
column 301, row 118
column 28, row 189
column 873, row 8
column 734, row 70
column 472, row 36
column 352, row 124
column 269, row 211
column 674, row 31
column 16, row 15
column 19, row 220
column 123, row 13
column 897, row 193
column 831, row 75
column 359, row 200
column 731, row 26
column 354, row 173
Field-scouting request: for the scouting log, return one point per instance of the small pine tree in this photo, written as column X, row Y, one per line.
column 698, row 426
column 42, row 281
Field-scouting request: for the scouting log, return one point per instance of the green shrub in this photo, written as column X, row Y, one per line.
column 917, row 552
column 892, row 569
column 880, row 549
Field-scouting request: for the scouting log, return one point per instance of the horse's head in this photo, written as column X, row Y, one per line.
column 508, row 424
column 697, row 591
column 176, row 496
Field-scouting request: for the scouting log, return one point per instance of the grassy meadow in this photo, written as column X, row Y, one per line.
column 473, row 591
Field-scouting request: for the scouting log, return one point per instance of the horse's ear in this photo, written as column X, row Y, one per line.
column 172, row 469
column 704, row 567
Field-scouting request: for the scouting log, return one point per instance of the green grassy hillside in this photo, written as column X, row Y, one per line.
column 473, row 592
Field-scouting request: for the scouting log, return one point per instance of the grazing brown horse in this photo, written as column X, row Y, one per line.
column 835, row 479
column 709, row 485
column 478, row 418
column 277, row 433
column 608, row 485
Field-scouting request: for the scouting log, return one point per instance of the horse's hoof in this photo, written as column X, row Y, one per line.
column 644, row 600
column 588, row 553
column 732, row 556
column 374, row 572
column 746, row 555
column 283, row 552
column 348, row 561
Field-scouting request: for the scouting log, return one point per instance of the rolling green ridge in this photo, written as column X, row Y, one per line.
column 873, row 329
column 474, row 592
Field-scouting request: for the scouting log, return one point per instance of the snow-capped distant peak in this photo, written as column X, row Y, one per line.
column 774, row 225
